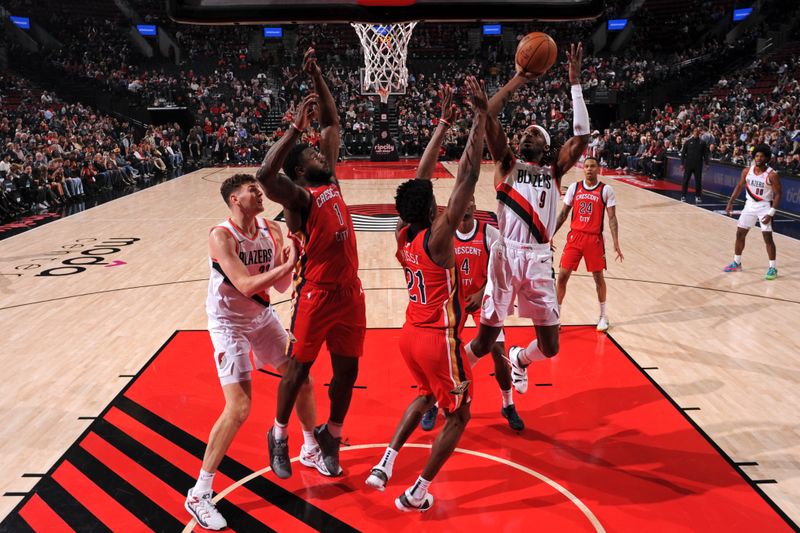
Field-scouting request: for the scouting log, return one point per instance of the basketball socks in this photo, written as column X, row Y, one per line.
column 203, row 485
column 602, row 309
column 279, row 431
column 334, row 429
column 507, row 397
column 772, row 263
column 309, row 440
column 531, row 354
column 737, row 259
column 387, row 461
column 420, row 488
column 472, row 359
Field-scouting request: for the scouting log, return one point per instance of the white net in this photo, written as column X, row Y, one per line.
column 385, row 51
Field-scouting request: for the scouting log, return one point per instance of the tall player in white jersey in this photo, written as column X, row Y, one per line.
column 763, row 192
column 246, row 258
column 521, row 262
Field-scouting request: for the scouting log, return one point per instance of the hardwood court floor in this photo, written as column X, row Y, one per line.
column 724, row 343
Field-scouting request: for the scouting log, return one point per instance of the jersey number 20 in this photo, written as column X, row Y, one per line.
column 416, row 286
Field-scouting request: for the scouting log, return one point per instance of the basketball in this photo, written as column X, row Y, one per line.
column 536, row 53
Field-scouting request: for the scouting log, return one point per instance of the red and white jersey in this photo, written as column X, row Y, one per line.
column 759, row 186
column 527, row 200
column 472, row 255
column 589, row 205
column 434, row 296
column 330, row 257
column 225, row 304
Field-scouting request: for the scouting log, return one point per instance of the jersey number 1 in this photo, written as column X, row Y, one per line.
column 338, row 214
column 416, row 284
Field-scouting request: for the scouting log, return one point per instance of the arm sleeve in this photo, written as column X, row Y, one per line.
column 580, row 115
column 569, row 196
column 609, row 196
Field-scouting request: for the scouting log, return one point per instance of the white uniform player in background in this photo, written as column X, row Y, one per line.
column 763, row 192
column 246, row 257
column 521, row 262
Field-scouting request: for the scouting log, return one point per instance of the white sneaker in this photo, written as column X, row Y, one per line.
column 204, row 511
column 519, row 372
column 407, row 504
column 602, row 324
column 312, row 458
column 378, row 478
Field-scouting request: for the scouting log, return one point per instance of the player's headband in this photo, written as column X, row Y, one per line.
column 544, row 134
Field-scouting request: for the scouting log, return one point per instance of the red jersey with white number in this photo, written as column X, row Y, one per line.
column 527, row 200
column 330, row 255
column 434, row 298
column 472, row 256
column 589, row 206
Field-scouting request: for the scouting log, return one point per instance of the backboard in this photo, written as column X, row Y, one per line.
column 346, row 11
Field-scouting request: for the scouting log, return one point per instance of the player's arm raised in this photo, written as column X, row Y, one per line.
column 222, row 248
column 440, row 244
column 776, row 197
column 576, row 145
column 496, row 138
column 737, row 191
column 448, row 115
column 278, row 187
column 330, row 132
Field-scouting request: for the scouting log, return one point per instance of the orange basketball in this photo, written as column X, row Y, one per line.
column 536, row 53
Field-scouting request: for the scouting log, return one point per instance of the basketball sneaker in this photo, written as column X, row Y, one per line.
column 514, row 421
column 772, row 273
column 602, row 324
column 312, row 458
column 204, row 511
column 733, row 267
column 698, row 200
column 329, row 448
column 378, row 478
column 519, row 372
column 279, row 455
column 408, row 504
column 429, row 418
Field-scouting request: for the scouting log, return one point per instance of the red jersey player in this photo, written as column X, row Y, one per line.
column 328, row 303
column 588, row 200
column 431, row 343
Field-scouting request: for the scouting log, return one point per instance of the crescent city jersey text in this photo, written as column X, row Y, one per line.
column 527, row 199
column 759, row 186
column 472, row 256
column 257, row 253
column 329, row 240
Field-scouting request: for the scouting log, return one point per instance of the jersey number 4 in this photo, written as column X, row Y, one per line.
column 416, row 286
column 465, row 266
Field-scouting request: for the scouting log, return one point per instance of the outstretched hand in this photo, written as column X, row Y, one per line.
column 449, row 110
column 477, row 95
column 310, row 65
column 306, row 111
column 574, row 61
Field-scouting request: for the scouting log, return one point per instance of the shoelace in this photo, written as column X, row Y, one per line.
column 206, row 507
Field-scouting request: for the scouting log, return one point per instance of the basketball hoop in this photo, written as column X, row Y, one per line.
column 385, row 51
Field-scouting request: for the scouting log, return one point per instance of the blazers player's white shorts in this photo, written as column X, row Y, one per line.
column 753, row 212
column 265, row 336
column 523, row 272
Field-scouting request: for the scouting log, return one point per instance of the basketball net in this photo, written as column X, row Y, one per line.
column 385, row 50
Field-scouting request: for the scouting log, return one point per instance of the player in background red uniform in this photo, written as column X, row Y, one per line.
column 430, row 343
column 328, row 302
column 588, row 200
column 473, row 241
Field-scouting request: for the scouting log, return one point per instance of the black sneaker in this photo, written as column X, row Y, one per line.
column 330, row 449
column 514, row 421
column 429, row 419
column 279, row 455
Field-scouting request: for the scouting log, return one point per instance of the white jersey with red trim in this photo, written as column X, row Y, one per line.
column 758, row 187
column 225, row 305
column 527, row 201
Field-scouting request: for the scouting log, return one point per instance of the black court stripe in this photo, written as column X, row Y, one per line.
column 123, row 492
column 171, row 475
column 68, row 508
column 521, row 213
column 14, row 522
column 275, row 494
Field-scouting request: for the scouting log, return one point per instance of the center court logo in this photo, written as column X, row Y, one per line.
column 74, row 257
column 383, row 217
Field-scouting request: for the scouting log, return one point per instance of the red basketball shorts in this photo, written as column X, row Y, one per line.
column 336, row 317
column 589, row 246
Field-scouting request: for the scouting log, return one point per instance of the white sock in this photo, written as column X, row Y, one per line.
column 472, row 359
column 772, row 263
column 203, row 485
column 507, row 397
column 387, row 462
column 309, row 440
column 334, row 429
column 420, row 488
column 602, row 309
column 531, row 354
column 737, row 259
column 279, row 431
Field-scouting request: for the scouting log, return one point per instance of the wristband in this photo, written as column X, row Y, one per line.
column 295, row 126
column 443, row 120
column 771, row 212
